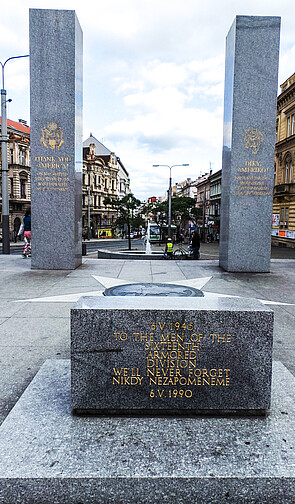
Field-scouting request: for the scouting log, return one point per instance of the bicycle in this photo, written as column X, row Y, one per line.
column 166, row 256
column 183, row 253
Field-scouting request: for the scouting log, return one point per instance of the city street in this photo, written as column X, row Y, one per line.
column 208, row 250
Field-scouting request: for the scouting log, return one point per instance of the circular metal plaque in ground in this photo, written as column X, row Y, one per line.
column 153, row 289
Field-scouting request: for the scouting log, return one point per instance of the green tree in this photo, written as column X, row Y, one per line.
column 183, row 209
column 125, row 211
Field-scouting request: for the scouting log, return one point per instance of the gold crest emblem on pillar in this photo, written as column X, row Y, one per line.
column 52, row 136
column 253, row 139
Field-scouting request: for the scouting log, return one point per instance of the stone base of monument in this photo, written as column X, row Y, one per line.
column 141, row 352
column 48, row 455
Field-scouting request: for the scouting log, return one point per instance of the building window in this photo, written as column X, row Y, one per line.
column 22, row 157
column 22, row 188
column 11, row 156
column 11, row 187
column 274, row 174
column 288, row 171
column 291, row 125
column 284, row 217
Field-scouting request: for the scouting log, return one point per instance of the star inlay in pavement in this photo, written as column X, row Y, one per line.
column 107, row 282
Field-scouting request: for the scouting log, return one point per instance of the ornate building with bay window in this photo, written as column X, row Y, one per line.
column 19, row 173
column 283, row 219
column 104, row 175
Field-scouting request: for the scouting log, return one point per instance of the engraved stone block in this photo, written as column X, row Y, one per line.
column 151, row 354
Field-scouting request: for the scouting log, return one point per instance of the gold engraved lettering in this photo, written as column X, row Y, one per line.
column 127, row 380
column 143, row 337
column 252, row 180
column 196, row 337
column 172, row 337
column 220, row 338
column 127, row 376
column 172, row 354
column 53, row 173
column 122, row 336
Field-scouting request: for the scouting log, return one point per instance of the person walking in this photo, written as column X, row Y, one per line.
column 196, row 245
column 27, row 233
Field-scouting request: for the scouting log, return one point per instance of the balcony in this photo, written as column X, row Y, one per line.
column 281, row 189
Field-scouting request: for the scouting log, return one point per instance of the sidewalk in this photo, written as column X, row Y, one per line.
column 33, row 331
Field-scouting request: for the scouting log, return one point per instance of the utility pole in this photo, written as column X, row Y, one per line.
column 4, row 163
column 169, row 193
column 88, row 208
column 204, row 202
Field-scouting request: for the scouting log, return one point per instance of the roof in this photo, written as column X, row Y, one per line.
column 122, row 166
column 17, row 126
column 100, row 149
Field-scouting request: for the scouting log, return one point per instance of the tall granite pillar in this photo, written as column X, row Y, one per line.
column 56, row 138
column 251, row 76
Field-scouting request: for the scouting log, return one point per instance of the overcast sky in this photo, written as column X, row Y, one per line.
column 153, row 77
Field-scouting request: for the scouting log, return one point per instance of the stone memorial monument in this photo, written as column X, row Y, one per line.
column 153, row 348
column 56, row 138
column 146, row 354
column 251, row 77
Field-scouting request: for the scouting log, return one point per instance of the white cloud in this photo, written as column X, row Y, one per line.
column 153, row 76
column 164, row 73
column 286, row 61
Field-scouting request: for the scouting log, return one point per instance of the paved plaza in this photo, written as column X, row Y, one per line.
column 35, row 306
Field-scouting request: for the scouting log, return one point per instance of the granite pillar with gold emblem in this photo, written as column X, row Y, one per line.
column 251, row 78
column 56, row 138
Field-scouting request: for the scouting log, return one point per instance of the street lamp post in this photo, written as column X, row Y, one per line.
column 170, row 192
column 4, row 164
column 88, row 216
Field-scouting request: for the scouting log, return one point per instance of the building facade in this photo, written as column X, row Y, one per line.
column 283, row 219
column 202, row 198
column 19, row 174
column 214, row 205
column 187, row 188
column 104, row 175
